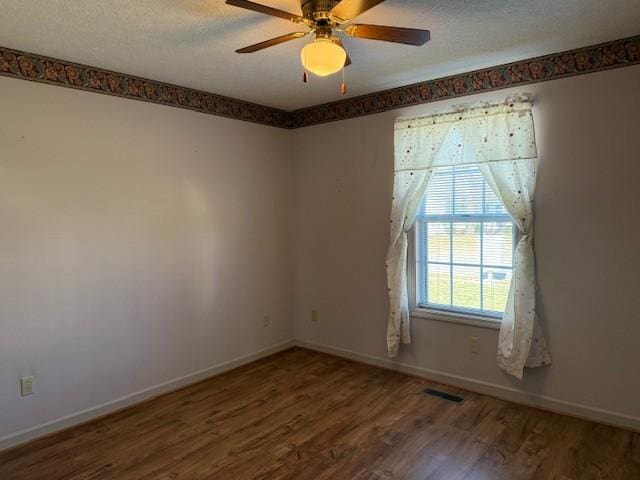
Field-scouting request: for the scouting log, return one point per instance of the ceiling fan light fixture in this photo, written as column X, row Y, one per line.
column 323, row 57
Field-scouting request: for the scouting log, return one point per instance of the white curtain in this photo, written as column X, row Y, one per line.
column 500, row 139
column 521, row 342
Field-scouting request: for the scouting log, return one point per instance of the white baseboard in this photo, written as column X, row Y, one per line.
column 499, row 391
column 492, row 389
column 92, row 413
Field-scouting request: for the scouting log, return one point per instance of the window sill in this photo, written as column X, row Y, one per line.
column 454, row 317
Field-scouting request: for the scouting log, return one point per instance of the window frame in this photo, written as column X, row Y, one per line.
column 414, row 258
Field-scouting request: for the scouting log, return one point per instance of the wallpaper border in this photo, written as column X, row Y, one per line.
column 38, row 68
column 595, row 58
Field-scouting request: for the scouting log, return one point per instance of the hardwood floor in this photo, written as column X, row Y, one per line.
column 306, row 415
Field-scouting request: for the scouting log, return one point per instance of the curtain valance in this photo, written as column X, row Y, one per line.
column 483, row 134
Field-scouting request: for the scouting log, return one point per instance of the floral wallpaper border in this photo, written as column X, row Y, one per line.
column 614, row 54
column 618, row 53
column 29, row 66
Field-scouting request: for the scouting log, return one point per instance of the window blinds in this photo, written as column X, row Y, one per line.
column 465, row 250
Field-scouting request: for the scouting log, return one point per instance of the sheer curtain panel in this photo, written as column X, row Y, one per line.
column 500, row 140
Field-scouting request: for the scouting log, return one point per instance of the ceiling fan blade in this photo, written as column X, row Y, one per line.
column 409, row 36
column 271, row 42
column 348, row 9
column 274, row 12
column 337, row 41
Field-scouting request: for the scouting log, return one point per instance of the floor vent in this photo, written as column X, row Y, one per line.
column 444, row 395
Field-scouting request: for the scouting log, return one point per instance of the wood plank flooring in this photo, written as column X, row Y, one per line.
column 306, row 415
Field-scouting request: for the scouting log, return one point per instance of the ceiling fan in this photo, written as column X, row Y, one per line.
column 326, row 55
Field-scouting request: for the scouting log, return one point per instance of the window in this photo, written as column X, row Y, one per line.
column 464, row 245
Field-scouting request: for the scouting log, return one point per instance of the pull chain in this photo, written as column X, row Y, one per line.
column 343, row 87
column 305, row 74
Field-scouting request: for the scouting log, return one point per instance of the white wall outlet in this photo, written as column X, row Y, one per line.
column 26, row 385
column 266, row 321
column 474, row 345
column 314, row 315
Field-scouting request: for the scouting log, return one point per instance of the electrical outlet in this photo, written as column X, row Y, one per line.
column 26, row 385
column 314, row 315
column 474, row 345
column 266, row 321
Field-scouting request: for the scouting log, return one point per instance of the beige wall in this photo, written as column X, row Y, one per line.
column 587, row 238
column 138, row 243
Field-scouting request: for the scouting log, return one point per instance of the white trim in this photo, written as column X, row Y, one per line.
column 486, row 388
column 456, row 317
column 94, row 412
column 510, row 394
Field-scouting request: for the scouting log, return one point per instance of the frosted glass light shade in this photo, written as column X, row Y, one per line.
column 323, row 57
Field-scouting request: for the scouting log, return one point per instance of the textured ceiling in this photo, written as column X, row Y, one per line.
column 192, row 42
